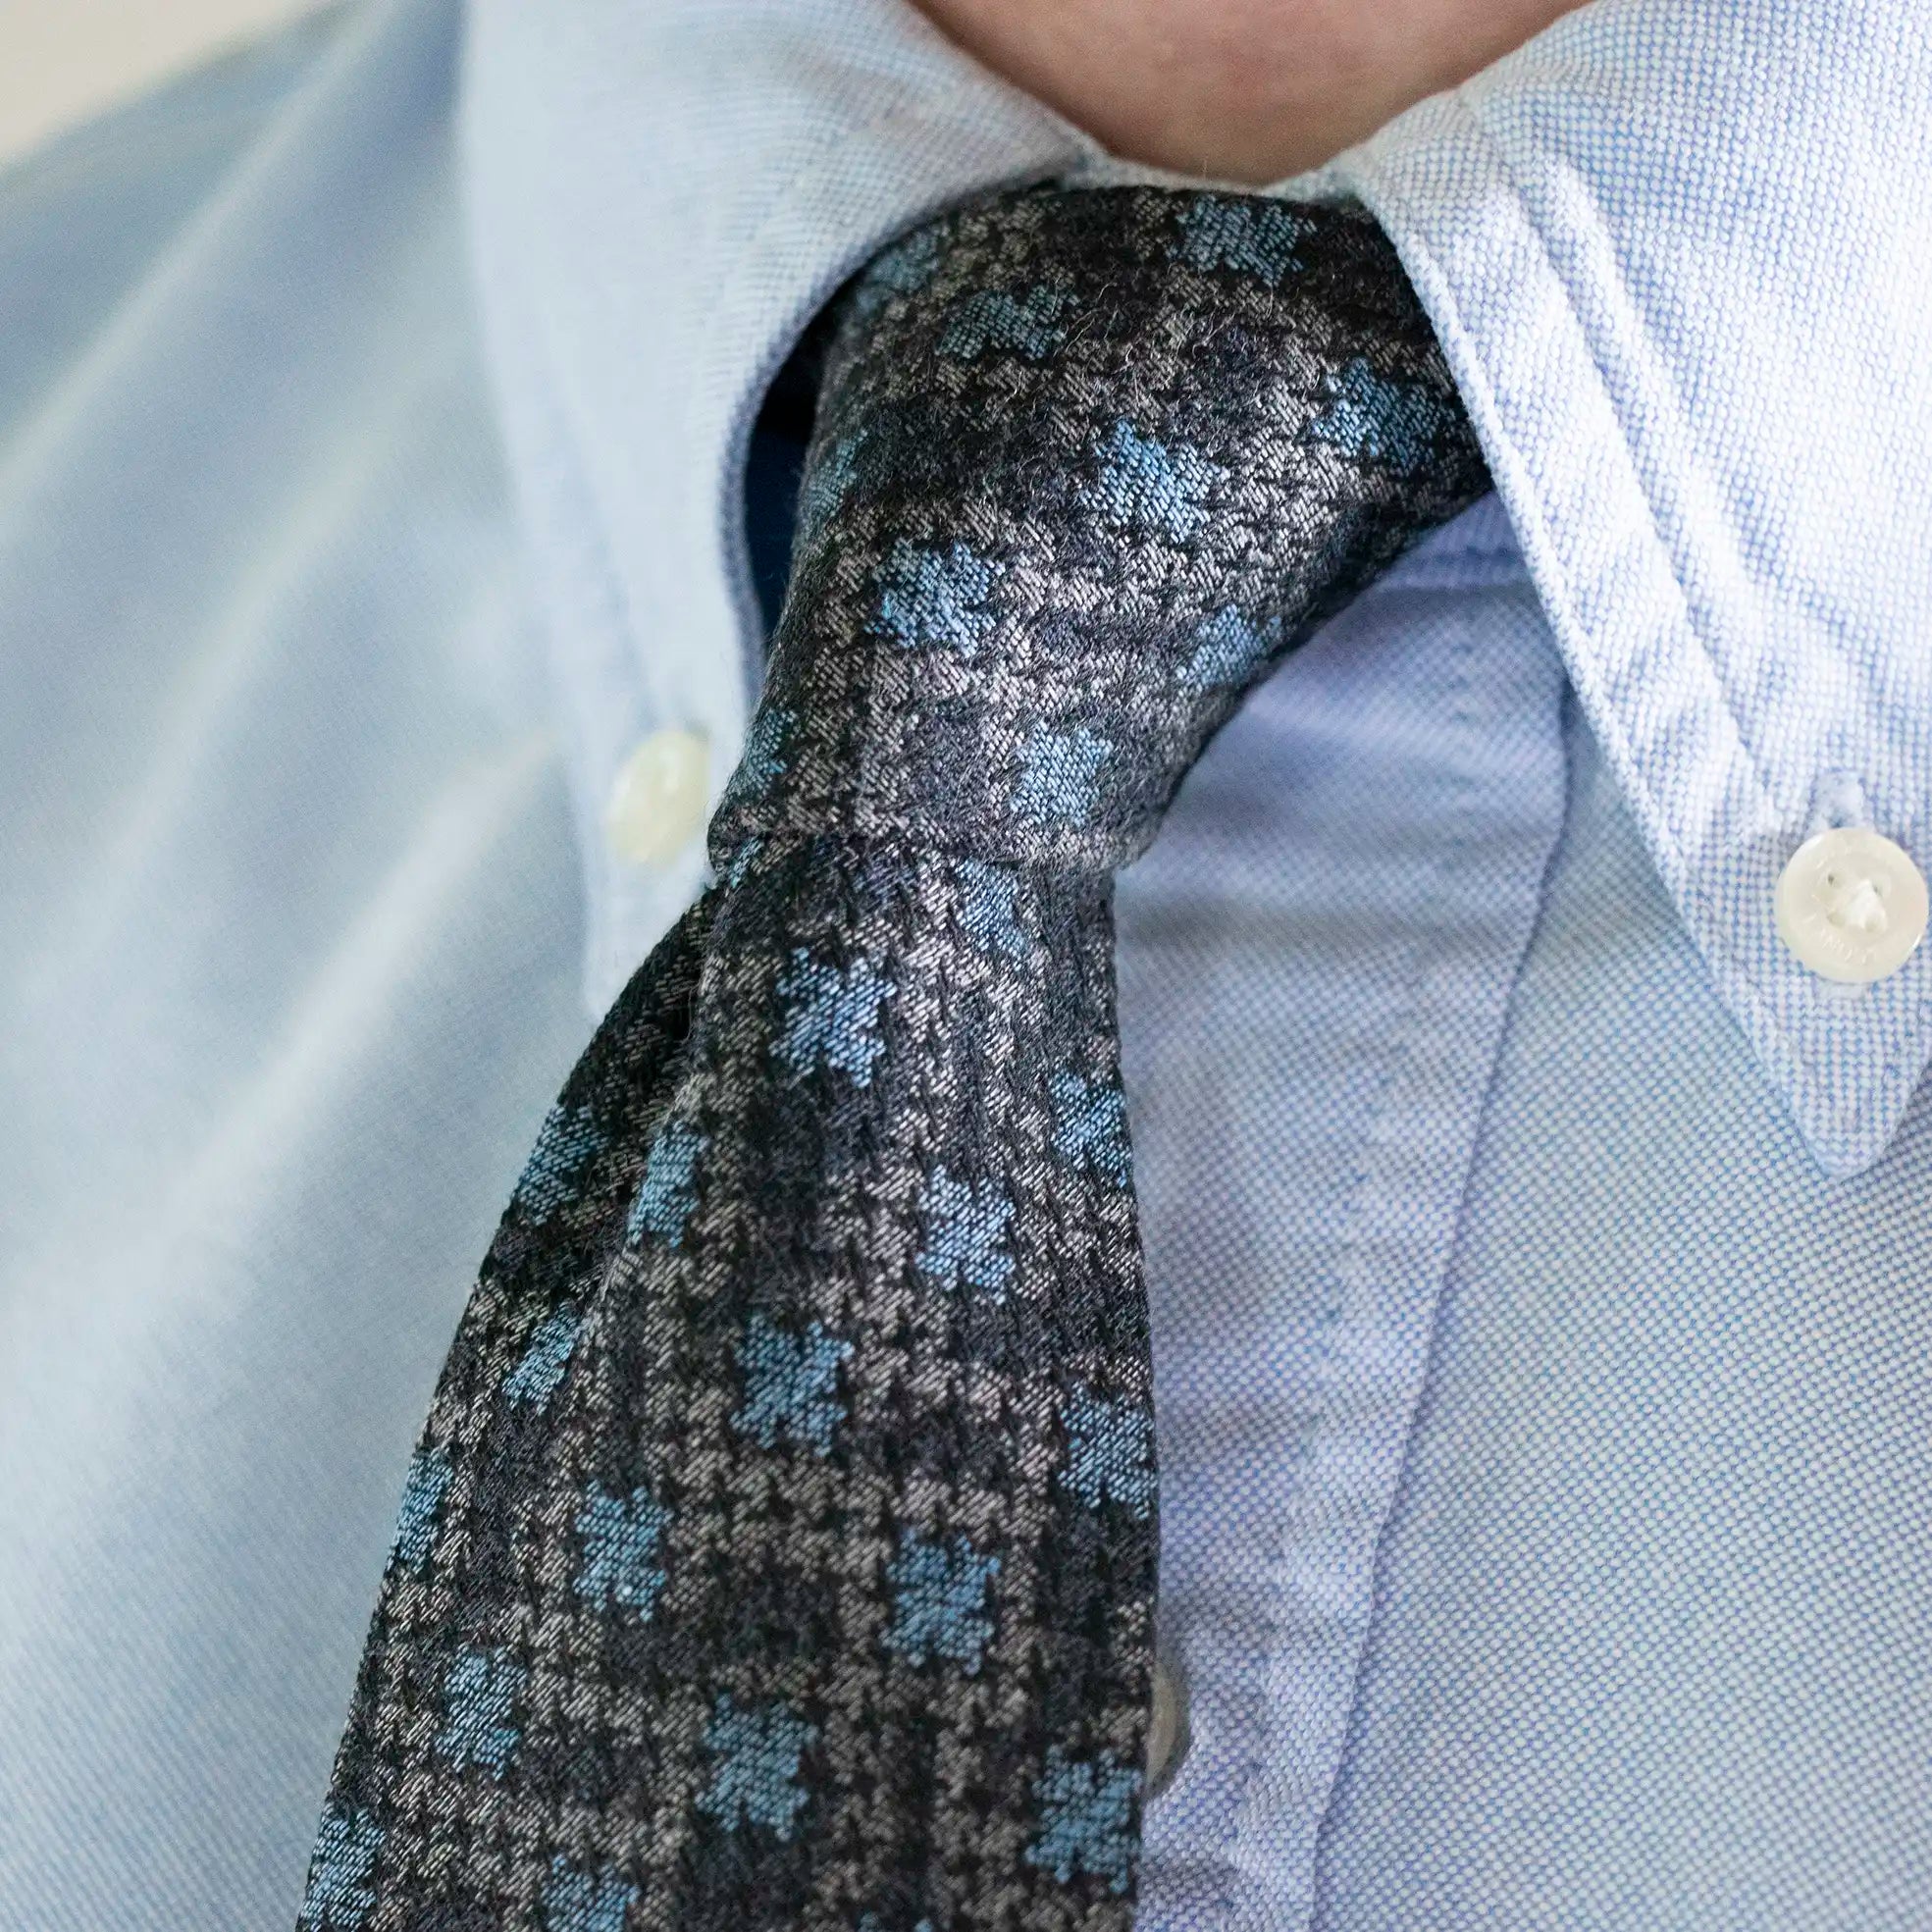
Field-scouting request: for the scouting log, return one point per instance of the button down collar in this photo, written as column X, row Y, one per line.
column 1672, row 305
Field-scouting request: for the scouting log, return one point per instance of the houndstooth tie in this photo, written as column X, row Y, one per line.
column 780, row 1550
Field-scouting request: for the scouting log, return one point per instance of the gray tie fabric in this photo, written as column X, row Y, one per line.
column 780, row 1550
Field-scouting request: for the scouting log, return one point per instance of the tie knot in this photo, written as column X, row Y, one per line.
column 1087, row 463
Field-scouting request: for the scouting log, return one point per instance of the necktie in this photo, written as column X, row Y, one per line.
column 780, row 1550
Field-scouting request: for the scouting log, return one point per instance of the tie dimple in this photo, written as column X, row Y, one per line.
column 780, row 1550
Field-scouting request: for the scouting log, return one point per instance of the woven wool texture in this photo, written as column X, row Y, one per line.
column 780, row 1550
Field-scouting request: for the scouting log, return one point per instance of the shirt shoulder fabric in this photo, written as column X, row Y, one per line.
column 290, row 939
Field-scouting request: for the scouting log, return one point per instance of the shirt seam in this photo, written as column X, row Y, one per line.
column 1245, row 1842
column 1480, row 1119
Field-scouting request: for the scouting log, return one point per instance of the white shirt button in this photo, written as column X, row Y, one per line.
column 1167, row 1728
column 657, row 806
column 1852, row 905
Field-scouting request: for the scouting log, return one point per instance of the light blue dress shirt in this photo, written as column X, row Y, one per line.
column 1539, row 1254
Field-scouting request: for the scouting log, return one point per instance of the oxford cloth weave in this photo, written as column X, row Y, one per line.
column 780, row 1549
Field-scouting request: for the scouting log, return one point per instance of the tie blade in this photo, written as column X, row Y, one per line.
column 807, row 1554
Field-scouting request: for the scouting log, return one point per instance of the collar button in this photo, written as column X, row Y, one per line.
column 1852, row 906
column 657, row 804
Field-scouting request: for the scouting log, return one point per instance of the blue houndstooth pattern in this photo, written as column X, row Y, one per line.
column 780, row 1550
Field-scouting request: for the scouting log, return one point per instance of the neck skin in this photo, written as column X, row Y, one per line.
column 1237, row 91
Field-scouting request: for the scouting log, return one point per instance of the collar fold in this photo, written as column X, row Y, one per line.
column 1680, row 259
